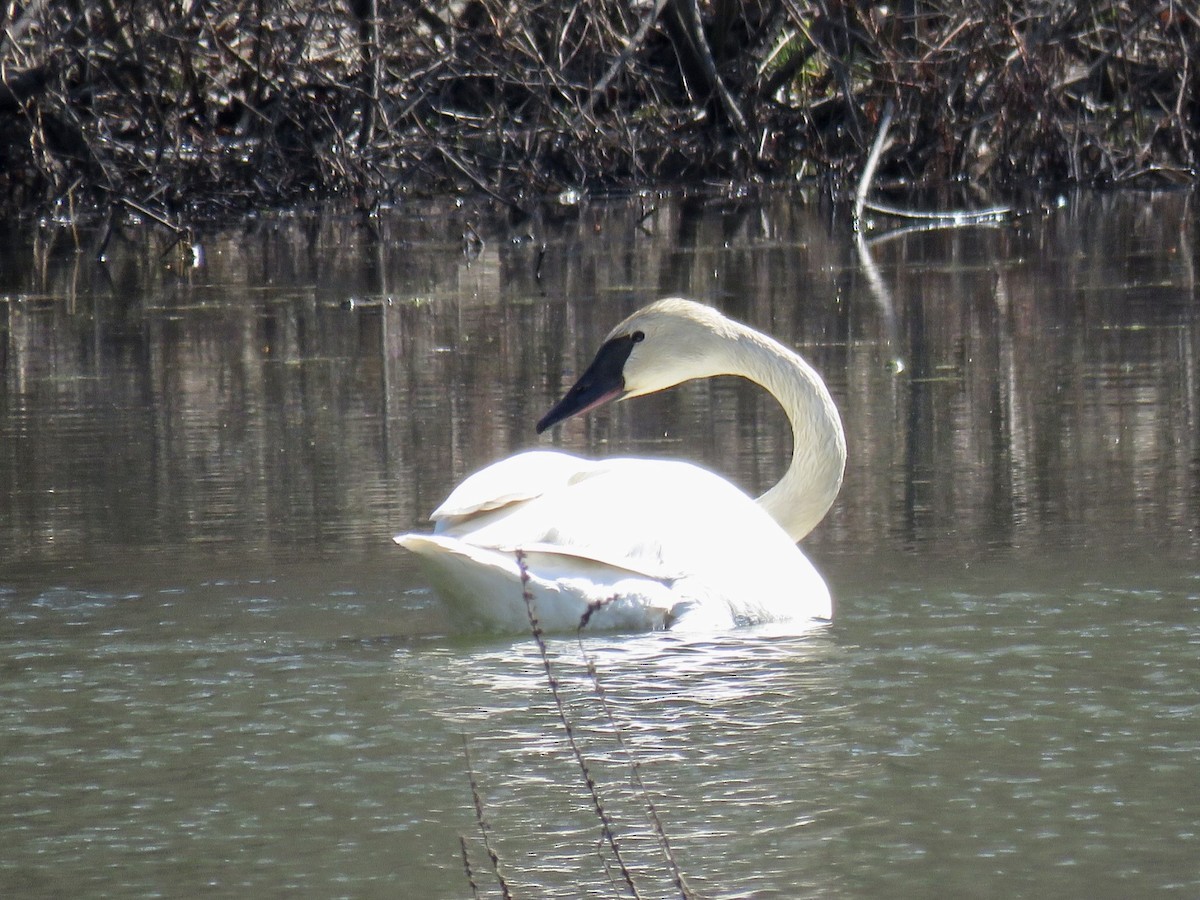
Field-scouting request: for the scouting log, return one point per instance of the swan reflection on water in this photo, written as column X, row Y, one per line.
column 641, row 544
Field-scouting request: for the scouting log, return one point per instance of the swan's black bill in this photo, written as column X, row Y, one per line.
column 603, row 381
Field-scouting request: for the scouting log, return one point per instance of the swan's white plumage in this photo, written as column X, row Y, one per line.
column 520, row 477
column 646, row 543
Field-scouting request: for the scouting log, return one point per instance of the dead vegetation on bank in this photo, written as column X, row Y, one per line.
column 203, row 105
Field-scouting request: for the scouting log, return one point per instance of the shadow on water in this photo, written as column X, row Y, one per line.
column 220, row 676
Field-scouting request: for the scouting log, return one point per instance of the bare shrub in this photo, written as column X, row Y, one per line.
column 190, row 104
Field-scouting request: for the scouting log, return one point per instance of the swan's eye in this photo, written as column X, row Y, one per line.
column 638, row 336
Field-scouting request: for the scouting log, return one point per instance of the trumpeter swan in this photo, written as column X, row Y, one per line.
column 642, row 543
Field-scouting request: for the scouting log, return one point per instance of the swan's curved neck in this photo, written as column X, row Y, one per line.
column 811, row 483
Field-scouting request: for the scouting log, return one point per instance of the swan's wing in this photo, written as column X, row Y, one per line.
column 660, row 519
column 654, row 527
column 484, row 586
column 616, row 512
column 692, row 529
column 577, row 561
column 515, row 479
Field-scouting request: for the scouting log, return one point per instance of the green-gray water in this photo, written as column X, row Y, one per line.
column 220, row 679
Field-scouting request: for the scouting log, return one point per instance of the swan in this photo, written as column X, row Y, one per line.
column 641, row 544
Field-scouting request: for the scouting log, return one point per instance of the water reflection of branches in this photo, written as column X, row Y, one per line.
column 1057, row 356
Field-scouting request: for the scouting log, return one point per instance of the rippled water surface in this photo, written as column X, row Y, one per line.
column 218, row 677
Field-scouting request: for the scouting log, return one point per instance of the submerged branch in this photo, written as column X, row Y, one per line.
column 949, row 218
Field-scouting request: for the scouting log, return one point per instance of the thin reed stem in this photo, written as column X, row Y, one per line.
column 484, row 829
column 466, row 858
column 607, row 829
column 635, row 770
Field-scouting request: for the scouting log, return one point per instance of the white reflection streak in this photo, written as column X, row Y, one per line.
column 883, row 299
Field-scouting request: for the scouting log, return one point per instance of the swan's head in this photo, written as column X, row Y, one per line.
column 659, row 346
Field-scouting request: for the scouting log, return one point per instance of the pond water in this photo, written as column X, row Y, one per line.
column 220, row 678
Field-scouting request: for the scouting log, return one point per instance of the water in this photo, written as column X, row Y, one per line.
column 219, row 678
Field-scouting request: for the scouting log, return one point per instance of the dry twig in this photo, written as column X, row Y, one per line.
column 183, row 107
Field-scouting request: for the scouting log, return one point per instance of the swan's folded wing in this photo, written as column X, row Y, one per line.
column 546, row 558
column 654, row 533
column 516, row 479
column 483, row 585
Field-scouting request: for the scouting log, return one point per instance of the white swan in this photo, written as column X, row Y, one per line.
column 641, row 543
